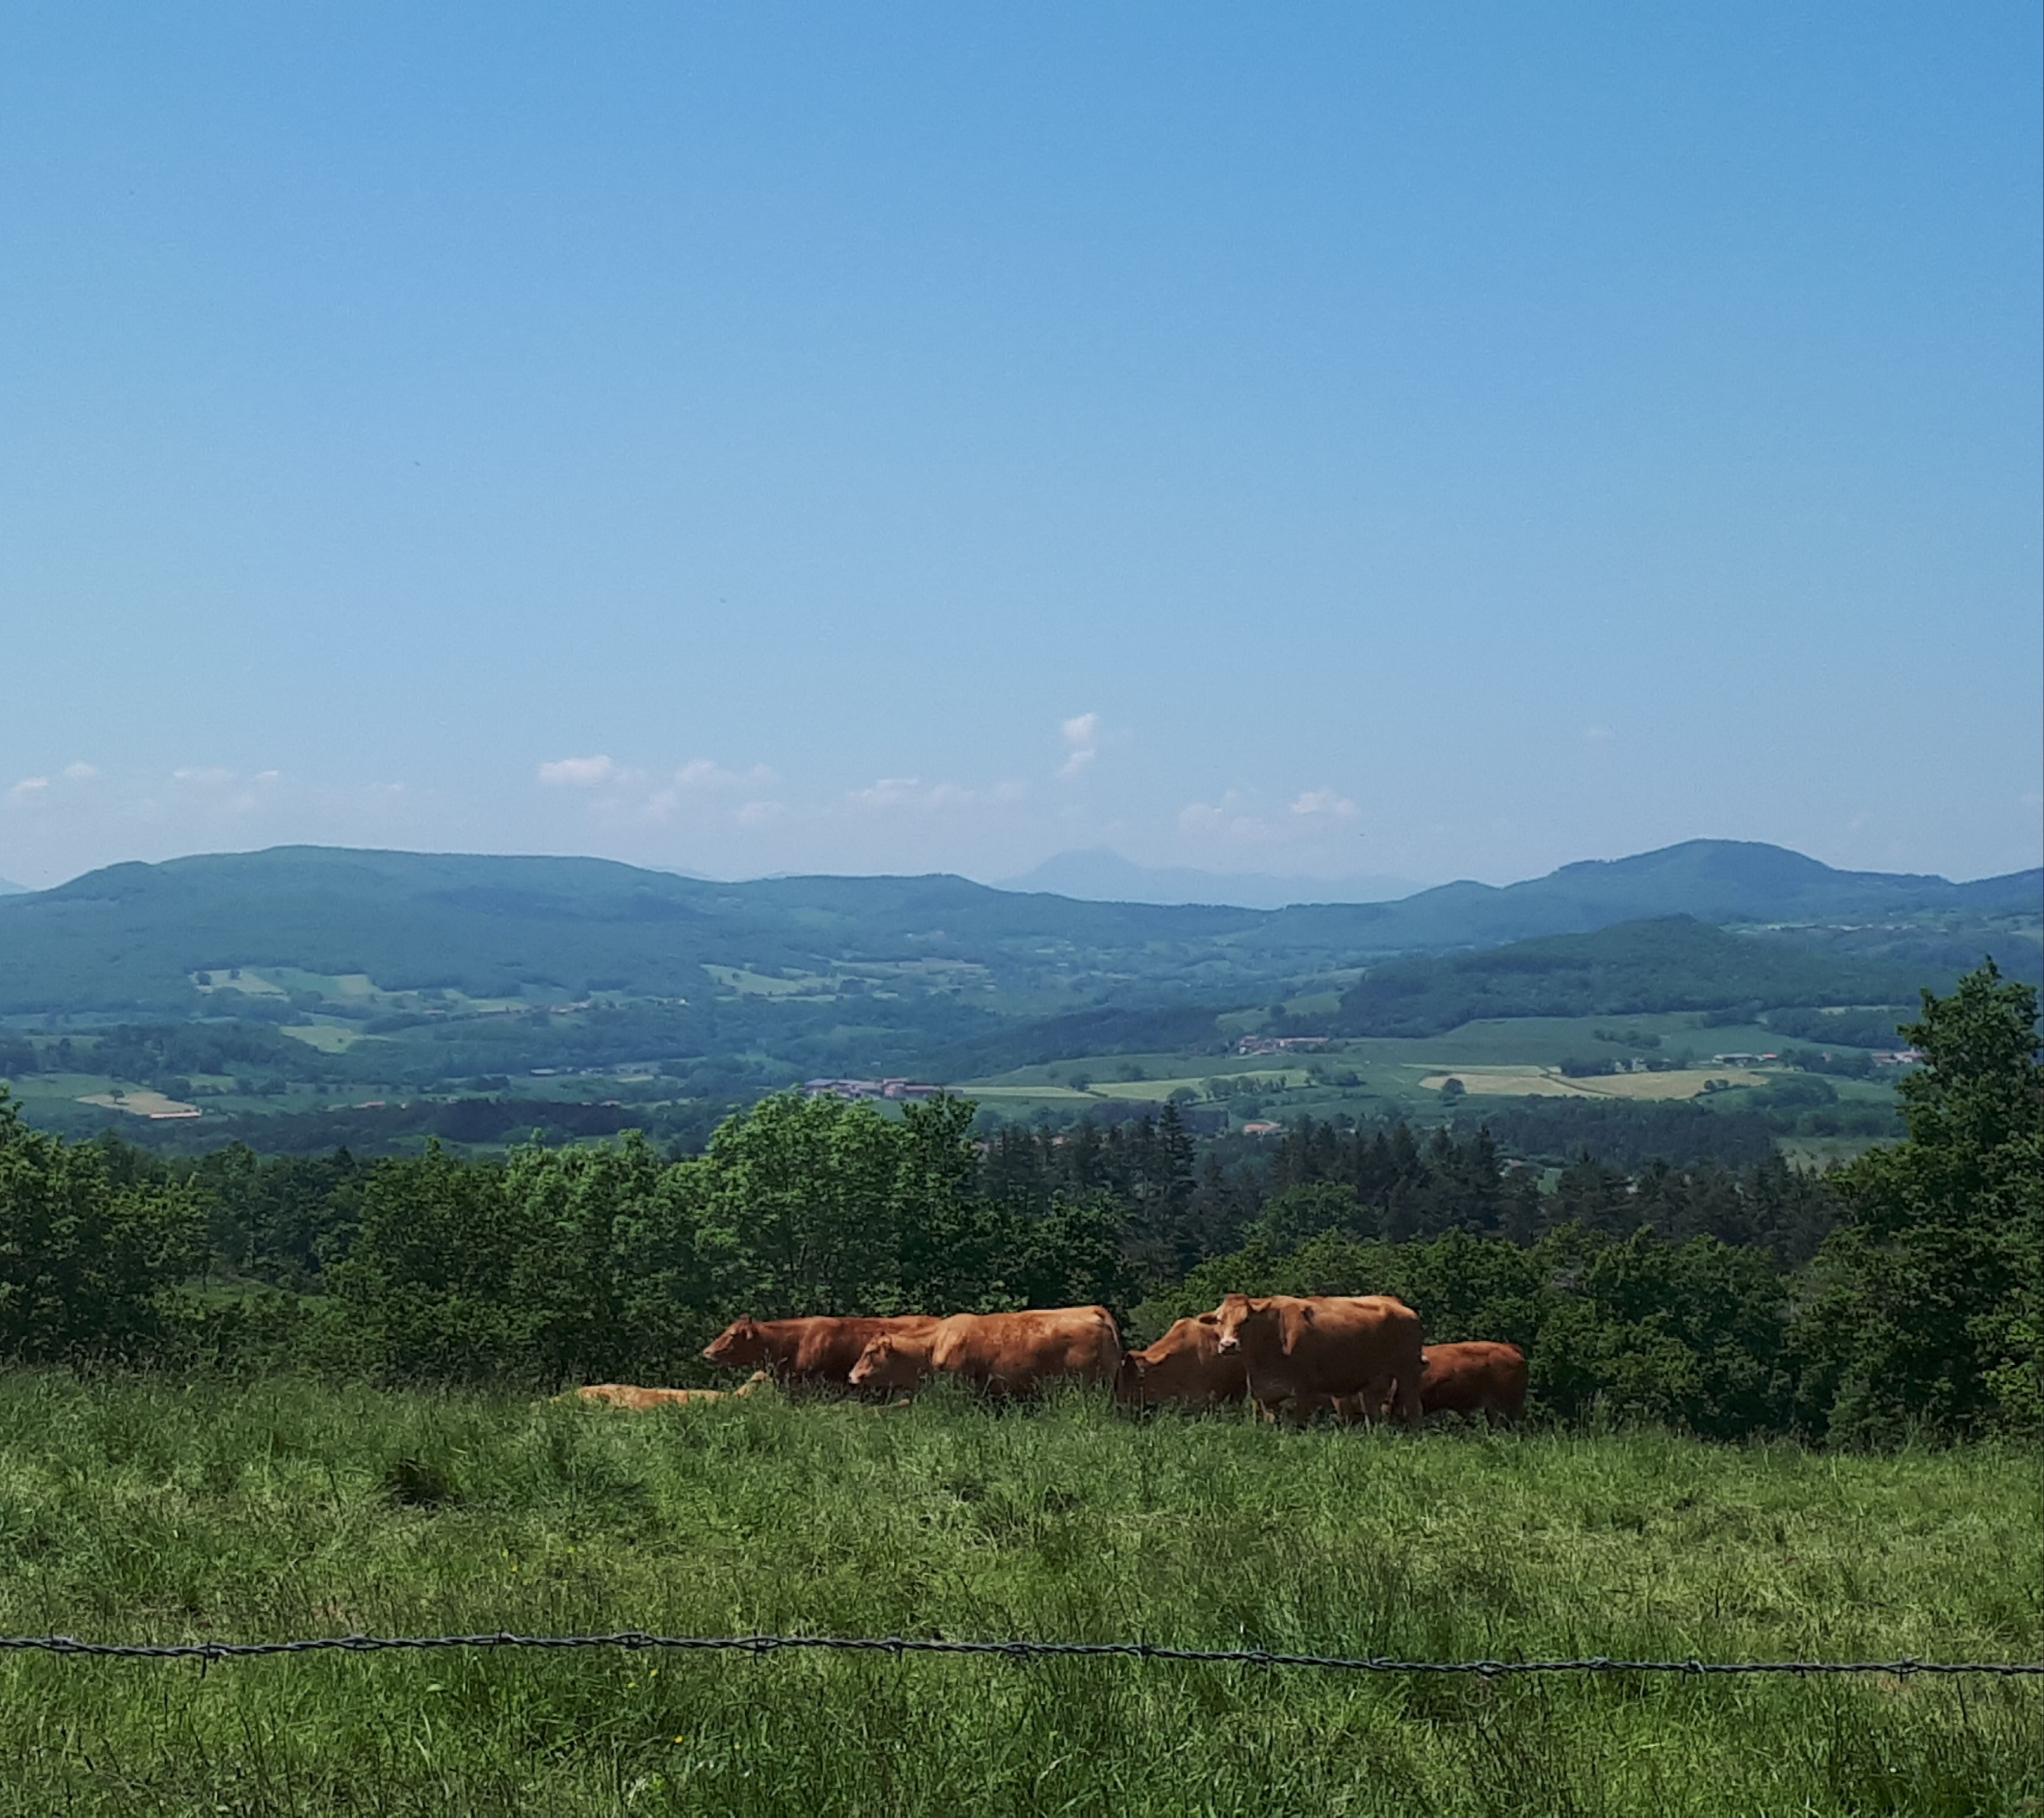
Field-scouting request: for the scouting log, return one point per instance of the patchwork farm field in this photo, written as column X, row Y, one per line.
column 1517, row 1057
column 135, row 1508
column 1533, row 1082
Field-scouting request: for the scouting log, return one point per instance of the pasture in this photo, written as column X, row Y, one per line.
column 139, row 1102
column 140, row 1509
column 1533, row 1083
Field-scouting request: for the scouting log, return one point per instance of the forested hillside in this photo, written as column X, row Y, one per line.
column 133, row 937
column 1671, row 963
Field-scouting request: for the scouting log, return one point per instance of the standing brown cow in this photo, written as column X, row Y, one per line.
column 1004, row 1353
column 1479, row 1377
column 1185, row 1365
column 812, row 1353
column 1300, row 1350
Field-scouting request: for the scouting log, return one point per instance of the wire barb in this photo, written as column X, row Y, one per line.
column 1019, row 1652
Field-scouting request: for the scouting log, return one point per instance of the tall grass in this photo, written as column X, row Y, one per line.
column 141, row 1509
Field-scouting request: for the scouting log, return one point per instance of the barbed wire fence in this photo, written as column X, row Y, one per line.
column 1019, row 1652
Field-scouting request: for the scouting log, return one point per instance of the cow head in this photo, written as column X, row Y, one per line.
column 887, row 1362
column 740, row 1342
column 1235, row 1311
column 1180, row 1363
column 1129, row 1380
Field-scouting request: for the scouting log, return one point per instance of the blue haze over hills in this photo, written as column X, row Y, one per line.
column 1101, row 875
column 132, row 937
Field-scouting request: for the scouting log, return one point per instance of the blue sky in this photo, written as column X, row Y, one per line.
column 1440, row 441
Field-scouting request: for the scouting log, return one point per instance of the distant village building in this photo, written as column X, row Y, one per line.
column 1281, row 1044
column 1901, row 1057
column 1742, row 1060
column 1262, row 1128
column 896, row 1089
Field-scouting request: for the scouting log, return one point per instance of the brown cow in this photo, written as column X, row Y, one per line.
column 1299, row 1350
column 1004, row 1353
column 813, row 1353
column 631, row 1395
column 1479, row 1378
column 1185, row 1365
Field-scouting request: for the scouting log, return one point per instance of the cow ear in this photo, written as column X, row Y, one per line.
column 1306, row 1313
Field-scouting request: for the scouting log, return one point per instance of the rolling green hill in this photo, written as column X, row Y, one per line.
column 306, row 995
column 1668, row 962
column 130, row 938
column 1714, row 880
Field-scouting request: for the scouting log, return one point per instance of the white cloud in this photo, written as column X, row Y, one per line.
column 913, row 795
column 703, row 773
column 203, row 776
column 577, row 773
column 759, row 814
column 28, row 789
column 703, row 777
column 888, row 792
column 1081, row 736
column 622, row 791
column 1325, row 802
column 1597, row 734
column 1213, row 820
column 1313, row 818
column 81, row 772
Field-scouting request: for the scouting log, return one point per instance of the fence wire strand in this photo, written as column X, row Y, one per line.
column 759, row 1646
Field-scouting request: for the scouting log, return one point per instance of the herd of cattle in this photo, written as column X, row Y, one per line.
column 1358, row 1356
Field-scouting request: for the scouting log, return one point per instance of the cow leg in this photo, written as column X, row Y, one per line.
column 1409, row 1410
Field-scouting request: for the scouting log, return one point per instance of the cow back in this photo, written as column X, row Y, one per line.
column 821, row 1349
column 1478, row 1377
column 1333, row 1345
column 1014, row 1352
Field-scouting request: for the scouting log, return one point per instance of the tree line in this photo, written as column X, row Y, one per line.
column 1903, row 1292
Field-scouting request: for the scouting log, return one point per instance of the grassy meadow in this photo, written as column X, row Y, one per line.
column 138, row 1509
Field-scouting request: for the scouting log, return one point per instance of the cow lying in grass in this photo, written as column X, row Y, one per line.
column 631, row 1395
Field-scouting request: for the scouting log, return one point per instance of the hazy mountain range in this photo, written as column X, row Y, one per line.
column 131, row 936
